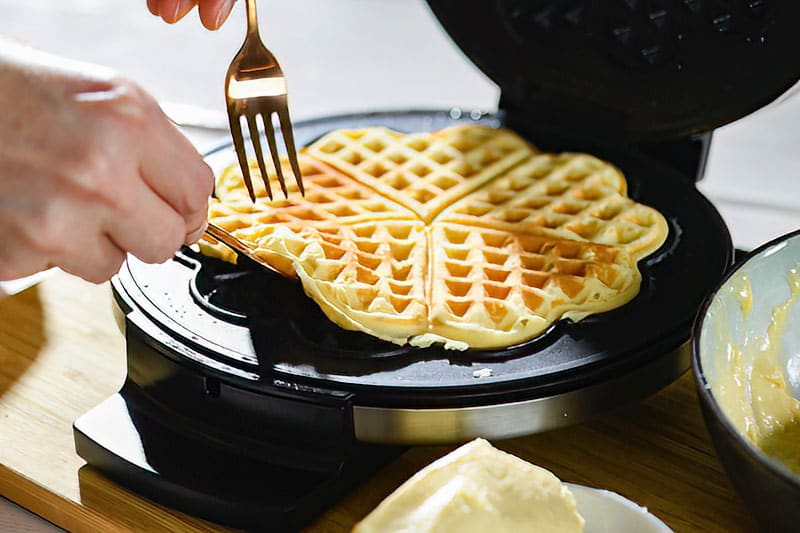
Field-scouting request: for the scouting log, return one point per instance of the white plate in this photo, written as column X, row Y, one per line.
column 608, row 512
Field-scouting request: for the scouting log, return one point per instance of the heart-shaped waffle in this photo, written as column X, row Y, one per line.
column 467, row 236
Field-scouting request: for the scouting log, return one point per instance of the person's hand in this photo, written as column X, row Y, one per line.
column 213, row 13
column 90, row 168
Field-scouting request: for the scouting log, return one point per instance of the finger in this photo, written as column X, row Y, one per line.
column 152, row 5
column 22, row 261
column 195, row 235
column 167, row 9
column 177, row 173
column 214, row 13
column 184, row 190
column 173, row 10
column 185, row 7
column 97, row 259
column 146, row 226
column 195, row 222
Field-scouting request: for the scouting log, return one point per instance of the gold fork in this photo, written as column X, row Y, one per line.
column 255, row 85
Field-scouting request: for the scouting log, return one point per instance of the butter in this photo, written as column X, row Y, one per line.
column 477, row 488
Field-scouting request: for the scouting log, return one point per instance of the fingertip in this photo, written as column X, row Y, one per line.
column 209, row 22
column 209, row 179
column 175, row 240
column 224, row 13
column 115, row 262
column 174, row 10
column 152, row 6
column 214, row 16
column 195, row 235
column 199, row 188
column 170, row 240
column 196, row 222
column 184, row 7
column 167, row 10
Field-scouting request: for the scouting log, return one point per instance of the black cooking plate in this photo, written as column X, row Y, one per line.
column 189, row 297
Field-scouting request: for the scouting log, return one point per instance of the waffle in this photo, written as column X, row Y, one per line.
column 332, row 200
column 423, row 171
column 567, row 196
column 495, row 288
column 505, row 241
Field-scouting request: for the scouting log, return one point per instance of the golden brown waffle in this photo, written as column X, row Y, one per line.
column 331, row 200
column 422, row 171
column 369, row 276
column 492, row 258
column 494, row 288
column 564, row 196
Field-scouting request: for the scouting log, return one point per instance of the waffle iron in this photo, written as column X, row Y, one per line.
column 243, row 404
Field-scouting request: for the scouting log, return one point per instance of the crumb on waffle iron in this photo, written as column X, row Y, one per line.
column 468, row 236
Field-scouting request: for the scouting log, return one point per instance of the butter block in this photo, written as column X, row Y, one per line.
column 477, row 488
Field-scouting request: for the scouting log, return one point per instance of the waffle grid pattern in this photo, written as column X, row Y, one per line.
column 425, row 172
column 332, row 199
column 491, row 259
column 513, row 282
column 566, row 196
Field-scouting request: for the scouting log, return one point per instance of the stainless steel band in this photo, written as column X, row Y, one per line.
column 438, row 426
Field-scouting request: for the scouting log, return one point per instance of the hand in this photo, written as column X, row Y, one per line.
column 213, row 13
column 90, row 168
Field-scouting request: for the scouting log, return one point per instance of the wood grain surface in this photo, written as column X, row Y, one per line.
column 61, row 353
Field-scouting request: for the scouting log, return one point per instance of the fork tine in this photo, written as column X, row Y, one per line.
column 238, row 143
column 255, row 138
column 273, row 148
column 288, row 139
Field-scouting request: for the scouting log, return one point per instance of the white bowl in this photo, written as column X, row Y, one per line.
column 608, row 512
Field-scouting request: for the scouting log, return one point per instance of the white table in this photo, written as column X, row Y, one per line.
column 353, row 55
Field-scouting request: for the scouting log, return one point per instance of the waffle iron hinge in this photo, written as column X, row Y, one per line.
column 535, row 110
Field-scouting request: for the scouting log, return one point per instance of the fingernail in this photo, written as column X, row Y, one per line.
column 223, row 13
column 181, row 8
column 194, row 236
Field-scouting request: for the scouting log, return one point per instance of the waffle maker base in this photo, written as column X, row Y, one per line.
column 245, row 405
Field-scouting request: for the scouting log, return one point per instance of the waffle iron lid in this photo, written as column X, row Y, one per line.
column 637, row 69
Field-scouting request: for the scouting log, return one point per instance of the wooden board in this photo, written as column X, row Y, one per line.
column 61, row 353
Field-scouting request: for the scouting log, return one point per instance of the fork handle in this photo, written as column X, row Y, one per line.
column 252, row 18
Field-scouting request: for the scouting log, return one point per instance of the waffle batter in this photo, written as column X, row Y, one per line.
column 750, row 383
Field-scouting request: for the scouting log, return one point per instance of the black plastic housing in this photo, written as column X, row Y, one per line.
column 217, row 401
column 297, row 353
column 630, row 69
